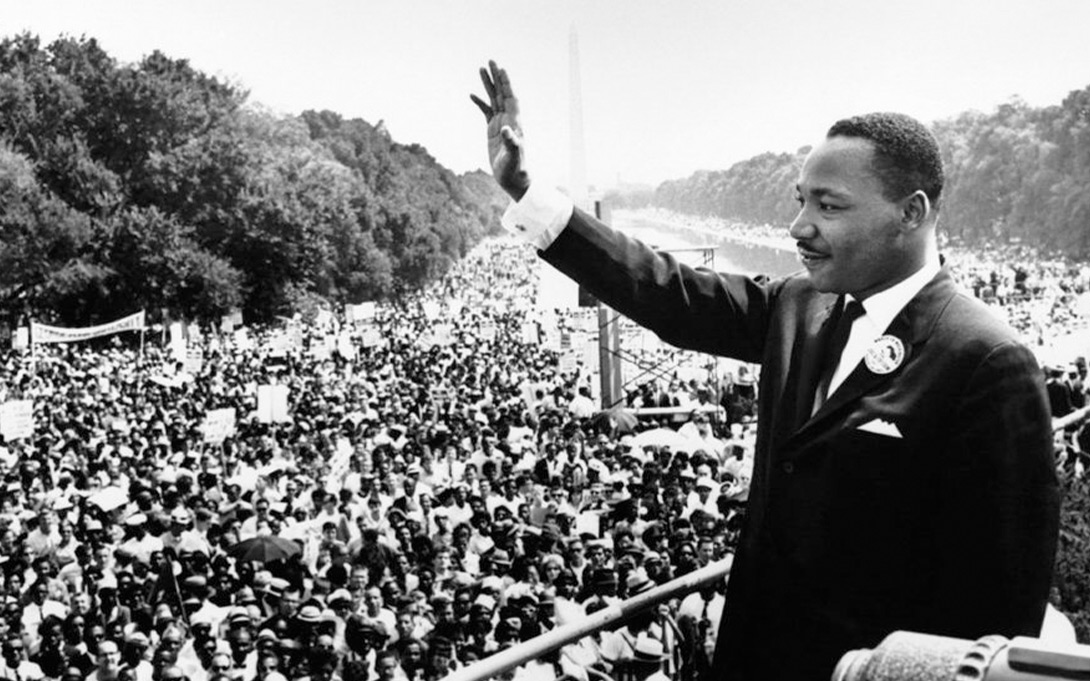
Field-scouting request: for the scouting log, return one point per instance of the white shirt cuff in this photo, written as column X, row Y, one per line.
column 540, row 216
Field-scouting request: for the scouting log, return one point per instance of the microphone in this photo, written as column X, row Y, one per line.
column 907, row 655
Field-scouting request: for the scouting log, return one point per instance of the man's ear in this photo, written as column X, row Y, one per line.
column 915, row 210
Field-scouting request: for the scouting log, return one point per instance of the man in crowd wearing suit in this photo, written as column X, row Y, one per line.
column 903, row 475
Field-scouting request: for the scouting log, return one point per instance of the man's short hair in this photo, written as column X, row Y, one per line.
column 906, row 154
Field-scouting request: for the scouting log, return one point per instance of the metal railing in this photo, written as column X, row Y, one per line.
column 1074, row 418
column 612, row 616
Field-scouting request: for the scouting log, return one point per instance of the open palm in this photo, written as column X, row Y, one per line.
column 505, row 149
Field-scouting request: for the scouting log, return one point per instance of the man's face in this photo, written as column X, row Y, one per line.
column 705, row 552
column 289, row 601
column 372, row 598
column 850, row 237
column 109, row 656
column 40, row 592
column 444, row 612
column 52, row 637
column 358, row 580
column 13, row 652
column 462, row 602
column 386, row 668
column 241, row 644
column 414, row 655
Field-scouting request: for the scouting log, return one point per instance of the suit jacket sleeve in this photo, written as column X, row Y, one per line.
column 692, row 308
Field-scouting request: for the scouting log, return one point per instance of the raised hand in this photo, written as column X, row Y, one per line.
column 505, row 150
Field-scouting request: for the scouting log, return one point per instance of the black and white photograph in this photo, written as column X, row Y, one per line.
column 618, row 340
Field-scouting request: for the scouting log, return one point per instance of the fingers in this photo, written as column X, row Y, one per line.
column 501, row 98
column 497, row 93
column 489, row 87
column 485, row 109
column 503, row 83
column 506, row 95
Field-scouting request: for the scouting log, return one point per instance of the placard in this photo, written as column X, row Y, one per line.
column 272, row 404
column 17, row 419
column 361, row 312
column 371, row 338
column 177, row 341
column 588, row 523
column 219, row 424
column 194, row 361
column 442, row 335
column 345, row 347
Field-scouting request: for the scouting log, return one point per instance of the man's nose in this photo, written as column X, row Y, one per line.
column 802, row 227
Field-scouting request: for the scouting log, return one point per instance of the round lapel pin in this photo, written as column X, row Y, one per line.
column 885, row 354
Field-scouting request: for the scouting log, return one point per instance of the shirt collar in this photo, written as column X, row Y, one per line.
column 883, row 306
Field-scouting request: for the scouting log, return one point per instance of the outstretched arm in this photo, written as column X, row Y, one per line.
column 505, row 149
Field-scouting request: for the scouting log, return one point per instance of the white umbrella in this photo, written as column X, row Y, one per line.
column 109, row 498
column 245, row 478
column 665, row 437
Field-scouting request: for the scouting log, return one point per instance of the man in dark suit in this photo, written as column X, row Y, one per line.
column 903, row 477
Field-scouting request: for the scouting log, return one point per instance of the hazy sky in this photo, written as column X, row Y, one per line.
column 669, row 87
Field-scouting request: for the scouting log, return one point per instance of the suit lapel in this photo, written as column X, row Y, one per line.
column 911, row 326
column 805, row 368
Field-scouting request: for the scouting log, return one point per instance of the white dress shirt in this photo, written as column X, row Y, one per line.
column 879, row 311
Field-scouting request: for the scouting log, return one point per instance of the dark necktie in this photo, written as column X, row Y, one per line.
column 851, row 311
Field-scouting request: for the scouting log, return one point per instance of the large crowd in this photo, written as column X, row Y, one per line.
column 441, row 487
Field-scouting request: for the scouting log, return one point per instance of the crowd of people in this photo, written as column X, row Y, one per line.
column 439, row 490
column 442, row 487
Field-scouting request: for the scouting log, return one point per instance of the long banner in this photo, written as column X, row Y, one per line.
column 43, row 333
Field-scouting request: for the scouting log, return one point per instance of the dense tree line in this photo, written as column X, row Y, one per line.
column 155, row 186
column 1016, row 174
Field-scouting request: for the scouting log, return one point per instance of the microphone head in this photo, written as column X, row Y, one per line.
column 906, row 655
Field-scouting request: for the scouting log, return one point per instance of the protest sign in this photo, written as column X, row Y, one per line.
column 43, row 333
column 177, row 341
column 372, row 338
column 194, row 361
column 272, row 404
column 569, row 363
column 442, row 335
column 529, row 333
column 360, row 313
column 345, row 347
column 17, row 419
column 219, row 424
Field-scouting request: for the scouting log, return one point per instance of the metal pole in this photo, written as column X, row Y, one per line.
column 609, row 338
column 610, row 617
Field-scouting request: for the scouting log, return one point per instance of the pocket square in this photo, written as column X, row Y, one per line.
column 880, row 427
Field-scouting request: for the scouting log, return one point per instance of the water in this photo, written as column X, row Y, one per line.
column 731, row 254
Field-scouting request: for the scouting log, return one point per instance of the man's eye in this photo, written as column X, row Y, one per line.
column 828, row 207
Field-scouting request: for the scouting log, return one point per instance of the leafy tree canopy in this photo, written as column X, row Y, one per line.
column 153, row 185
